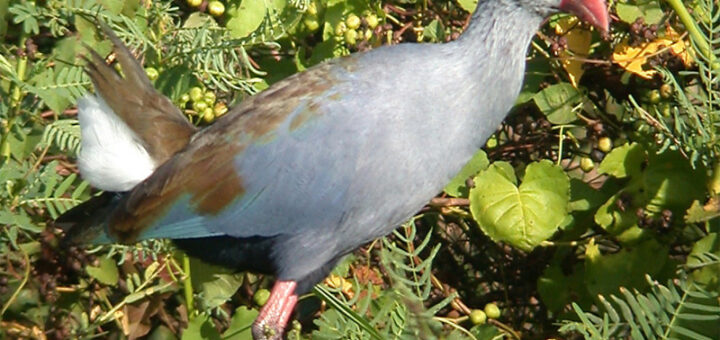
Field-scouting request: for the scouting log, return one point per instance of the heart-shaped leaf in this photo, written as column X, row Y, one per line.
column 522, row 216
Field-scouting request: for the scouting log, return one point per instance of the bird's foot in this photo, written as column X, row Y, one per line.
column 274, row 316
column 266, row 332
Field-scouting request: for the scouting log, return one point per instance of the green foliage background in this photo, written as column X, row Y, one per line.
column 591, row 212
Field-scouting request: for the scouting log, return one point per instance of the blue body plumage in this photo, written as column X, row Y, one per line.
column 295, row 177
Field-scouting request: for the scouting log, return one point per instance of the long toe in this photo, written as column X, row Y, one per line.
column 266, row 331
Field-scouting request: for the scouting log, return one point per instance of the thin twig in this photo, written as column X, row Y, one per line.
column 24, row 281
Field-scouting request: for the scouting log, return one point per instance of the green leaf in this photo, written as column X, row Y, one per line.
column 584, row 197
column 19, row 219
column 457, row 186
column 670, row 182
column 649, row 10
column 536, row 71
column 199, row 19
column 485, row 332
column 245, row 18
column 623, row 161
column 106, row 273
column 219, row 290
column 216, row 284
column 617, row 215
column 522, row 216
column 604, row 273
column 434, row 31
column 113, row 6
column 3, row 18
column 59, row 86
column 557, row 288
column 697, row 213
column 240, row 325
column 200, row 327
column 27, row 14
column 708, row 276
column 347, row 312
column 176, row 81
column 557, row 102
column 468, row 5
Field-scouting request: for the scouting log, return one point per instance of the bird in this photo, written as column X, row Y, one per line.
column 299, row 175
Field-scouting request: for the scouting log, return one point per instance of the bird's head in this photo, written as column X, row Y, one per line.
column 593, row 11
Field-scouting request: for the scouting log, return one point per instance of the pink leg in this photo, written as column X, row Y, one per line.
column 274, row 316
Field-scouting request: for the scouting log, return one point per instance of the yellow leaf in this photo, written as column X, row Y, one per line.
column 635, row 59
column 338, row 282
column 578, row 45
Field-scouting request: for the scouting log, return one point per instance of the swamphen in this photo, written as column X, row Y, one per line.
column 301, row 174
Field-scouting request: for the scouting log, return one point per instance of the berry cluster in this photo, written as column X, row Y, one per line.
column 355, row 28
column 200, row 105
column 480, row 316
column 642, row 33
column 215, row 8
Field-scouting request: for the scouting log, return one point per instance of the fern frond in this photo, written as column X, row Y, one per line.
column 678, row 310
column 404, row 265
column 64, row 133
column 58, row 87
column 397, row 313
column 692, row 125
column 56, row 198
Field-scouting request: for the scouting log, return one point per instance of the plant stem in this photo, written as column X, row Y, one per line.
column 15, row 101
column 22, row 284
column 698, row 37
column 187, row 287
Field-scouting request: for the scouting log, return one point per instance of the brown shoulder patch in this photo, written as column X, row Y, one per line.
column 206, row 173
column 264, row 112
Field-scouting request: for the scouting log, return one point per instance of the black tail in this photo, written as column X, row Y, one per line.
column 85, row 223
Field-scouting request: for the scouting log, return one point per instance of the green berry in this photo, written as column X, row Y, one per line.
column 261, row 297
column 587, row 164
column 368, row 34
column 340, row 28
column 209, row 97
column 184, row 99
column 372, row 21
column 152, row 73
column 196, row 94
column 353, row 22
column 311, row 24
column 478, row 317
column 654, row 97
column 605, row 144
column 208, row 115
column 194, row 3
column 216, row 8
column 351, row 37
column 312, row 9
column 199, row 106
column 666, row 110
column 491, row 143
column 492, row 311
